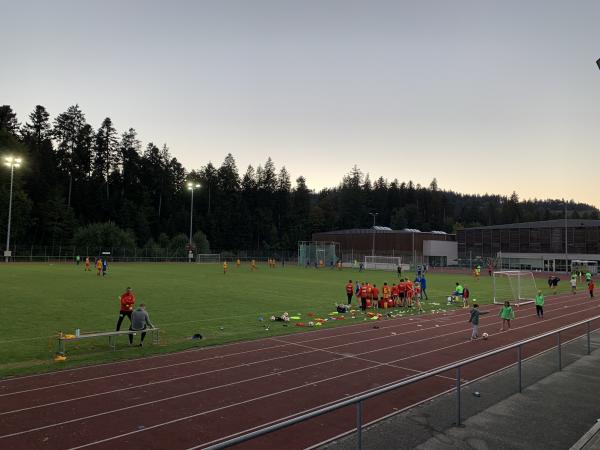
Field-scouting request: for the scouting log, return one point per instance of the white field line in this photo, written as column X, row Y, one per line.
column 168, row 380
column 225, row 407
column 365, row 360
column 391, row 327
column 166, row 355
column 79, row 419
column 406, row 408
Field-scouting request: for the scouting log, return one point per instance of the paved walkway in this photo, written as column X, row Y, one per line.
column 553, row 412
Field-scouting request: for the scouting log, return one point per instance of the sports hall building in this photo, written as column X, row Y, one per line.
column 434, row 248
column 551, row 245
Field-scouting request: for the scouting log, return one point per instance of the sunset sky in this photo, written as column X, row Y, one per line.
column 484, row 96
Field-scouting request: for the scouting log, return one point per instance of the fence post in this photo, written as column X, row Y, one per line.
column 520, row 351
column 589, row 350
column 458, row 419
column 558, row 346
column 359, row 425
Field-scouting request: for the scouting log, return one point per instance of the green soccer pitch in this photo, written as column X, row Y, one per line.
column 39, row 300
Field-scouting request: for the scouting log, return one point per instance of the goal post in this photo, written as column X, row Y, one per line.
column 516, row 286
column 208, row 258
column 383, row 262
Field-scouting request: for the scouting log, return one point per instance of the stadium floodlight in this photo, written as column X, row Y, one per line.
column 13, row 163
column 191, row 186
column 374, row 214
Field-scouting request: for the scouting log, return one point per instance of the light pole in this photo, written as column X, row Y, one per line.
column 566, row 239
column 13, row 163
column 374, row 214
column 191, row 186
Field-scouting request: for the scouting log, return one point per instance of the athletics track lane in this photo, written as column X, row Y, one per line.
column 290, row 374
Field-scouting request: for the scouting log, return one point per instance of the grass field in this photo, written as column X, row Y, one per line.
column 39, row 300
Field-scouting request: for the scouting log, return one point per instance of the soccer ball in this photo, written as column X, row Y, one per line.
column 484, row 336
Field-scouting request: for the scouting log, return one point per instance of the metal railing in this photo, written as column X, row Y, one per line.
column 359, row 399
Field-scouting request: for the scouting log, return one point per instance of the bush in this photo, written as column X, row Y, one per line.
column 102, row 237
column 201, row 242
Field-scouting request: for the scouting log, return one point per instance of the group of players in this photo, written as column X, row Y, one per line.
column 101, row 265
column 404, row 294
column 271, row 262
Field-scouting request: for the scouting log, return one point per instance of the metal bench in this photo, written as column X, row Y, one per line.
column 112, row 337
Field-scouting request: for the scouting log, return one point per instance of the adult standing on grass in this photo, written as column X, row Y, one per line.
column 127, row 300
column 349, row 290
column 423, row 282
column 506, row 314
column 539, row 304
column 140, row 320
column 363, row 296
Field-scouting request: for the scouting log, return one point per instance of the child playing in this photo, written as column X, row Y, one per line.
column 591, row 288
column 465, row 297
column 539, row 304
column 474, row 320
column 506, row 314
column 573, row 284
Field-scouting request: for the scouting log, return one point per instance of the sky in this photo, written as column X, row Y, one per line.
column 487, row 97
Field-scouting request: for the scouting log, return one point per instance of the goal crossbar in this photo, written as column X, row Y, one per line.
column 382, row 262
column 515, row 286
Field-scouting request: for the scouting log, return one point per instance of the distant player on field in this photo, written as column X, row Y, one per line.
column 238, row 263
column 225, row 267
column 87, row 264
column 253, row 265
column 98, row 266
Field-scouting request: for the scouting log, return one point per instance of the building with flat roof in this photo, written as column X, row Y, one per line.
column 435, row 248
column 550, row 245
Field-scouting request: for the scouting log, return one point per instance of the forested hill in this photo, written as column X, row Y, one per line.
column 75, row 174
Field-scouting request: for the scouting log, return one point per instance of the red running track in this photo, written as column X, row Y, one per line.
column 195, row 398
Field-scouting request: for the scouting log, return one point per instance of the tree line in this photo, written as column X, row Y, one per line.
column 80, row 185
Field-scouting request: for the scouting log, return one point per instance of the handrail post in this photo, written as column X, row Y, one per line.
column 458, row 418
column 520, row 352
column 359, row 425
column 558, row 346
column 589, row 345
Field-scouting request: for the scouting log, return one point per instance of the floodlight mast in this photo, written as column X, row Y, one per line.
column 13, row 163
column 374, row 214
column 191, row 186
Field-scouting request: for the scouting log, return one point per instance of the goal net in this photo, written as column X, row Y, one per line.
column 516, row 286
column 206, row 258
column 383, row 262
column 317, row 252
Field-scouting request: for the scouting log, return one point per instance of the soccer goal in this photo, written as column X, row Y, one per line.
column 207, row 258
column 383, row 262
column 315, row 252
column 516, row 286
